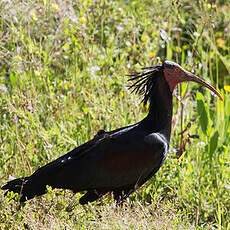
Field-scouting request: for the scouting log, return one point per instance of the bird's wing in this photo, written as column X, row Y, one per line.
column 119, row 160
column 51, row 168
column 79, row 151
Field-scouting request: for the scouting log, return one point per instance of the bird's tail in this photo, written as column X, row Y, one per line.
column 25, row 187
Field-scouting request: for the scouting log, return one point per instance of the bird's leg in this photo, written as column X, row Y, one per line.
column 117, row 195
column 121, row 195
column 91, row 196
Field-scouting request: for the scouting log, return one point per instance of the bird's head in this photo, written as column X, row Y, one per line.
column 146, row 81
column 174, row 74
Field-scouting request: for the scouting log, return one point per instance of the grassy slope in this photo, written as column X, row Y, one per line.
column 62, row 78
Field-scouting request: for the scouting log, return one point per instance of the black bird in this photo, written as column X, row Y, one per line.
column 122, row 160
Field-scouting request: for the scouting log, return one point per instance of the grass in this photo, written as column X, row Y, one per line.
column 62, row 78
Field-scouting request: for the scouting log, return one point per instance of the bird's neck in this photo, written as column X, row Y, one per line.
column 159, row 118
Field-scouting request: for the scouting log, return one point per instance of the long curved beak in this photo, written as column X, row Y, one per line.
column 191, row 77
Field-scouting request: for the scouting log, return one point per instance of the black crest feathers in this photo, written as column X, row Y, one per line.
column 145, row 81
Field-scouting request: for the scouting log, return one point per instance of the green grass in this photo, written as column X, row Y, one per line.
column 63, row 77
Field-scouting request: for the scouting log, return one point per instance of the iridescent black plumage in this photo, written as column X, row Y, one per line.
column 121, row 160
column 117, row 161
column 144, row 81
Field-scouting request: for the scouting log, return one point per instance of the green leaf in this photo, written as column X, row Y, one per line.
column 13, row 79
column 213, row 143
column 202, row 112
column 184, row 87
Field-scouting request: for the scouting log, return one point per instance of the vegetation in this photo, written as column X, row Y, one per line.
column 63, row 77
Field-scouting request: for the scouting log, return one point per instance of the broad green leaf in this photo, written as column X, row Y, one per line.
column 213, row 143
column 202, row 112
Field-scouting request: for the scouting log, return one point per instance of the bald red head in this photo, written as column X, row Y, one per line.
column 174, row 74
